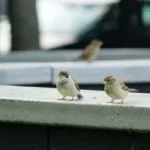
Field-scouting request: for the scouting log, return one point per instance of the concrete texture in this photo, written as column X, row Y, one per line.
column 131, row 71
column 40, row 105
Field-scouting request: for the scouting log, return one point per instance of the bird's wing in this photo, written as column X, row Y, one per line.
column 87, row 52
column 124, row 87
column 76, row 84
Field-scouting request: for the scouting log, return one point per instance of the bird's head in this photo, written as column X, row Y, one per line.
column 63, row 76
column 109, row 80
column 96, row 43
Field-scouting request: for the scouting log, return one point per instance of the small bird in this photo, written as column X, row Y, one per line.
column 90, row 52
column 67, row 86
column 116, row 89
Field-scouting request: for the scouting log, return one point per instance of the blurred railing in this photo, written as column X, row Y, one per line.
column 135, row 73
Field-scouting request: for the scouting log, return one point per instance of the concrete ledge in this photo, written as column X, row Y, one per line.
column 39, row 105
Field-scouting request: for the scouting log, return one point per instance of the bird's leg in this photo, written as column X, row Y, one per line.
column 121, row 101
column 80, row 96
column 63, row 98
column 110, row 101
column 72, row 98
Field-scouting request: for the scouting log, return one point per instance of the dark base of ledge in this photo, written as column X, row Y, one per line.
column 36, row 137
column 23, row 137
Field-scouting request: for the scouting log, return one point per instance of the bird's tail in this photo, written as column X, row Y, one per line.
column 80, row 96
column 133, row 90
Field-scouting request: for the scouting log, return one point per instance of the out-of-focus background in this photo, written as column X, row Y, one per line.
column 58, row 30
column 62, row 23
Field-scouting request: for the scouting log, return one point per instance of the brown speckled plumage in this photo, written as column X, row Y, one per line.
column 91, row 50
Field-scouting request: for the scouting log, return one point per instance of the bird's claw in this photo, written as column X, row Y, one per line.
column 72, row 99
column 121, row 102
column 110, row 101
column 61, row 98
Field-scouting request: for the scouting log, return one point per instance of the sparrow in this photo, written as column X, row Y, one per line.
column 90, row 51
column 116, row 89
column 67, row 86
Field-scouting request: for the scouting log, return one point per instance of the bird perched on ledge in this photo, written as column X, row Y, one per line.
column 116, row 89
column 67, row 86
column 90, row 52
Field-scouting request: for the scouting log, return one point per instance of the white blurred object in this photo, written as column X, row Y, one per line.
column 4, row 36
column 59, row 22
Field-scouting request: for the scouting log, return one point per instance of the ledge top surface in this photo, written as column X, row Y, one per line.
column 40, row 105
column 50, row 95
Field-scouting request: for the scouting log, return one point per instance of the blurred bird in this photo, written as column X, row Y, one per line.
column 90, row 52
column 116, row 89
column 67, row 86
